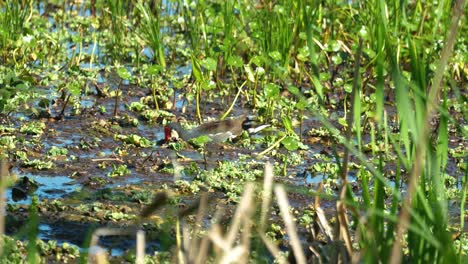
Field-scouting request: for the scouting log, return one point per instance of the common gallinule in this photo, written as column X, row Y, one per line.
column 23, row 188
column 217, row 131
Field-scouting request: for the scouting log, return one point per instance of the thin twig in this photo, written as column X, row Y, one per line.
column 234, row 101
column 107, row 159
column 274, row 145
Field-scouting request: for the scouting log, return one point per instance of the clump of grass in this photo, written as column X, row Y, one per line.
column 151, row 32
column 381, row 232
column 13, row 17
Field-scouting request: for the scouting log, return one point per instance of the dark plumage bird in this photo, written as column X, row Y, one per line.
column 23, row 188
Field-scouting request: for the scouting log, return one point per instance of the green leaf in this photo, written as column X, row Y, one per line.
column 363, row 32
column 302, row 104
column 303, row 36
column 275, row 55
column 258, row 60
column 288, row 124
column 249, row 72
column 294, row 90
column 123, row 73
column 324, row 76
column 209, row 64
column 57, row 151
column 290, row 143
column 342, row 121
column 74, row 88
column 334, row 46
column 154, row 69
column 348, row 88
column 196, row 70
column 369, row 52
column 201, row 140
column 337, row 59
column 235, row 61
column 137, row 106
column 303, row 54
column 272, row 90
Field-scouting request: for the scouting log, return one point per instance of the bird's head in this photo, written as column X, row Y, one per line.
column 167, row 134
column 170, row 132
column 252, row 125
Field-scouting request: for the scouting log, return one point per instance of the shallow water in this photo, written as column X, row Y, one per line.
column 49, row 187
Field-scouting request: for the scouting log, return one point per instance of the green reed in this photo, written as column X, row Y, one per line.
column 117, row 11
column 381, row 228
column 13, row 17
column 150, row 31
column 424, row 212
column 194, row 25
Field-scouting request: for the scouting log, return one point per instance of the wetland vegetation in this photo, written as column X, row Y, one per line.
column 364, row 158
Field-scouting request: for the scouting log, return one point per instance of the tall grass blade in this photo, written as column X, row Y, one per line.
column 33, row 229
column 308, row 21
column 422, row 141
column 151, row 31
column 464, row 195
column 290, row 226
column 3, row 179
